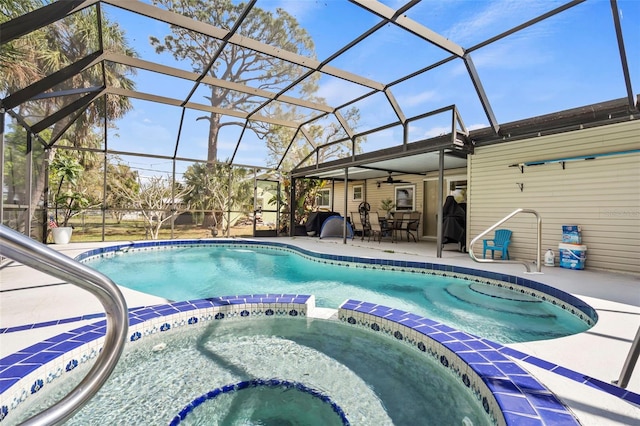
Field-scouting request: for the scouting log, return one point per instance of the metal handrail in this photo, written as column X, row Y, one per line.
column 42, row 258
column 630, row 362
column 500, row 222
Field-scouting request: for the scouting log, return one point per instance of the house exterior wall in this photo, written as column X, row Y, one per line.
column 374, row 195
column 601, row 195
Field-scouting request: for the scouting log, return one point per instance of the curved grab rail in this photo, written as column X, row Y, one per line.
column 40, row 257
column 630, row 362
column 500, row 222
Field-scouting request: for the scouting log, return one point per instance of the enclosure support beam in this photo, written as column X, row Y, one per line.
column 230, row 197
column 440, row 201
column 346, row 205
column 173, row 196
column 623, row 54
column 292, row 208
column 29, row 183
column 2, row 163
column 45, row 201
column 630, row 362
column 39, row 18
column 104, row 174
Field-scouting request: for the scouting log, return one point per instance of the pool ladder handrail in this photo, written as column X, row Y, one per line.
column 20, row 248
column 629, row 363
column 500, row 222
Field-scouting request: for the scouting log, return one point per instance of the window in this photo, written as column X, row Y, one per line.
column 357, row 192
column 323, row 198
column 405, row 199
column 458, row 188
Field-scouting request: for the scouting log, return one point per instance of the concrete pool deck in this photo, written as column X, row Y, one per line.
column 29, row 297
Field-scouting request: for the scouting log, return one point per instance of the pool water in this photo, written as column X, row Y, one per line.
column 188, row 273
column 372, row 378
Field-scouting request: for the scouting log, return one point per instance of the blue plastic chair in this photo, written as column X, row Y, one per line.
column 500, row 242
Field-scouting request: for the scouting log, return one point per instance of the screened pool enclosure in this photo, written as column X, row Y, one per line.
column 132, row 119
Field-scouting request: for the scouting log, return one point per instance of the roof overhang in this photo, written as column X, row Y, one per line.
column 422, row 157
column 416, row 158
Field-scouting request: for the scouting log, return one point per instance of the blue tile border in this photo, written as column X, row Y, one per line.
column 30, row 369
column 270, row 383
column 507, row 393
column 501, row 379
column 566, row 301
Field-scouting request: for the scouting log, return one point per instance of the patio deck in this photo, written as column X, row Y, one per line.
column 30, row 297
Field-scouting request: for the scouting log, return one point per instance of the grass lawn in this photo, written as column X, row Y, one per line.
column 132, row 230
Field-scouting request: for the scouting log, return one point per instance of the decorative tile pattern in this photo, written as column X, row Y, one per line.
column 29, row 370
column 271, row 383
column 507, row 393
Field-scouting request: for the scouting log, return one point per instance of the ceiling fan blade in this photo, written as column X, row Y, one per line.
column 390, row 180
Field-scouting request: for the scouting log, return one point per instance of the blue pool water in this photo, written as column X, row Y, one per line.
column 186, row 273
column 373, row 379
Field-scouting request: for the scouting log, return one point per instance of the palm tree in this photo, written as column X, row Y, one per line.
column 53, row 47
column 18, row 58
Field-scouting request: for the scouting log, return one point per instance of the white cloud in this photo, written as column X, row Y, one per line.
column 433, row 131
column 337, row 91
column 482, row 24
column 513, row 55
column 417, row 99
column 477, row 126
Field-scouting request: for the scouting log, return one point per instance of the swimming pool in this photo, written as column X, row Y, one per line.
column 499, row 307
column 343, row 362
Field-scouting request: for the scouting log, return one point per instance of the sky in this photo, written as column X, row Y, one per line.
column 567, row 61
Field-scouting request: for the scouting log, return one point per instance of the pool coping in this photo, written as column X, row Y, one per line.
column 495, row 380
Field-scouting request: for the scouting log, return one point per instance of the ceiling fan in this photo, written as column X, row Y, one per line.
column 390, row 180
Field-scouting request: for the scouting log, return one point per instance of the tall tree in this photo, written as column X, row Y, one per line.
column 322, row 134
column 235, row 63
column 154, row 199
column 216, row 188
column 254, row 69
column 120, row 175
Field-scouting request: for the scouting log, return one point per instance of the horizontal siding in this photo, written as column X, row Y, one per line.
column 600, row 195
column 373, row 194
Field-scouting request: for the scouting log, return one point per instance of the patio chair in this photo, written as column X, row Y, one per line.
column 357, row 224
column 413, row 224
column 500, row 242
column 374, row 227
column 400, row 221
